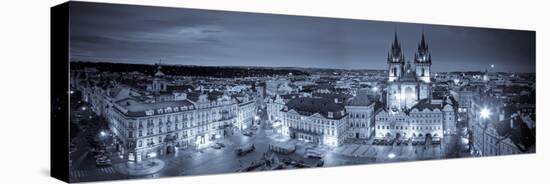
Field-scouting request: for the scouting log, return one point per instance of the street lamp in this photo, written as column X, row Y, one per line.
column 485, row 113
column 391, row 155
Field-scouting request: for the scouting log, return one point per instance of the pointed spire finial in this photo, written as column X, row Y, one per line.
column 395, row 40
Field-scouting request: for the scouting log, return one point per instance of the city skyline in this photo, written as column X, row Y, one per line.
column 157, row 92
column 218, row 38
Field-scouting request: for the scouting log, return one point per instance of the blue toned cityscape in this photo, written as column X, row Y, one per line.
column 206, row 94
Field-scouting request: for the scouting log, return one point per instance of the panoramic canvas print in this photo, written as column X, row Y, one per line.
column 158, row 92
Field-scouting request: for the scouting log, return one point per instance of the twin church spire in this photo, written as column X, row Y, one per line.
column 423, row 54
column 396, row 54
column 422, row 61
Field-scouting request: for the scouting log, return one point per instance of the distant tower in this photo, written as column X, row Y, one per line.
column 423, row 61
column 159, row 83
column 396, row 60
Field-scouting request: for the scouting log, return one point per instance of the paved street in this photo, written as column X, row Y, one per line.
column 355, row 153
column 209, row 160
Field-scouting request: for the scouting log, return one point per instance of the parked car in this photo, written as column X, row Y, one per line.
column 320, row 163
column 100, row 156
column 220, row 144
column 216, row 146
column 98, row 151
column 313, row 153
column 103, row 162
column 243, row 150
column 247, row 133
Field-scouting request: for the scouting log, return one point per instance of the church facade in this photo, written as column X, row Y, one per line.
column 410, row 111
column 407, row 85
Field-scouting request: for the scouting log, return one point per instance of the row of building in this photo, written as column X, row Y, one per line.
column 407, row 110
column 145, row 124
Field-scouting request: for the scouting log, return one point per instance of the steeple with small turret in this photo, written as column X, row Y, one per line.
column 396, row 60
column 423, row 60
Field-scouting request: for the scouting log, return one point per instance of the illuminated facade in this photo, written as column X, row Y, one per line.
column 408, row 85
column 159, row 128
column 315, row 120
column 410, row 110
column 425, row 119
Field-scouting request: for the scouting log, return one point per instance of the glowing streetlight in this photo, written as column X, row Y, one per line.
column 391, row 155
column 456, row 81
column 485, row 113
column 102, row 133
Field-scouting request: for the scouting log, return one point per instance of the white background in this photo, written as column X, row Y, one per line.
column 24, row 93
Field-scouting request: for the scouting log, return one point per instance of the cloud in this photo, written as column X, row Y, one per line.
column 201, row 37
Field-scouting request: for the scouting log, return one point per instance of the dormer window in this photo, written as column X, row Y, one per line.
column 330, row 114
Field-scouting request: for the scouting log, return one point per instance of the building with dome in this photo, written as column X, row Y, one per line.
column 159, row 83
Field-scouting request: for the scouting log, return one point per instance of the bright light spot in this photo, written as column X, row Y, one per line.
column 375, row 89
column 492, row 66
column 83, row 108
column 391, row 155
column 102, row 133
column 256, row 117
column 485, row 113
column 218, row 136
column 278, row 130
column 456, row 81
column 152, row 154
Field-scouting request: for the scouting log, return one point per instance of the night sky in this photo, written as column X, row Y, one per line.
column 138, row 34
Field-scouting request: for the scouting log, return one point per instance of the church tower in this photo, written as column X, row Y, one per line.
column 423, row 64
column 396, row 60
column 423, row 61
column 159, row 84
